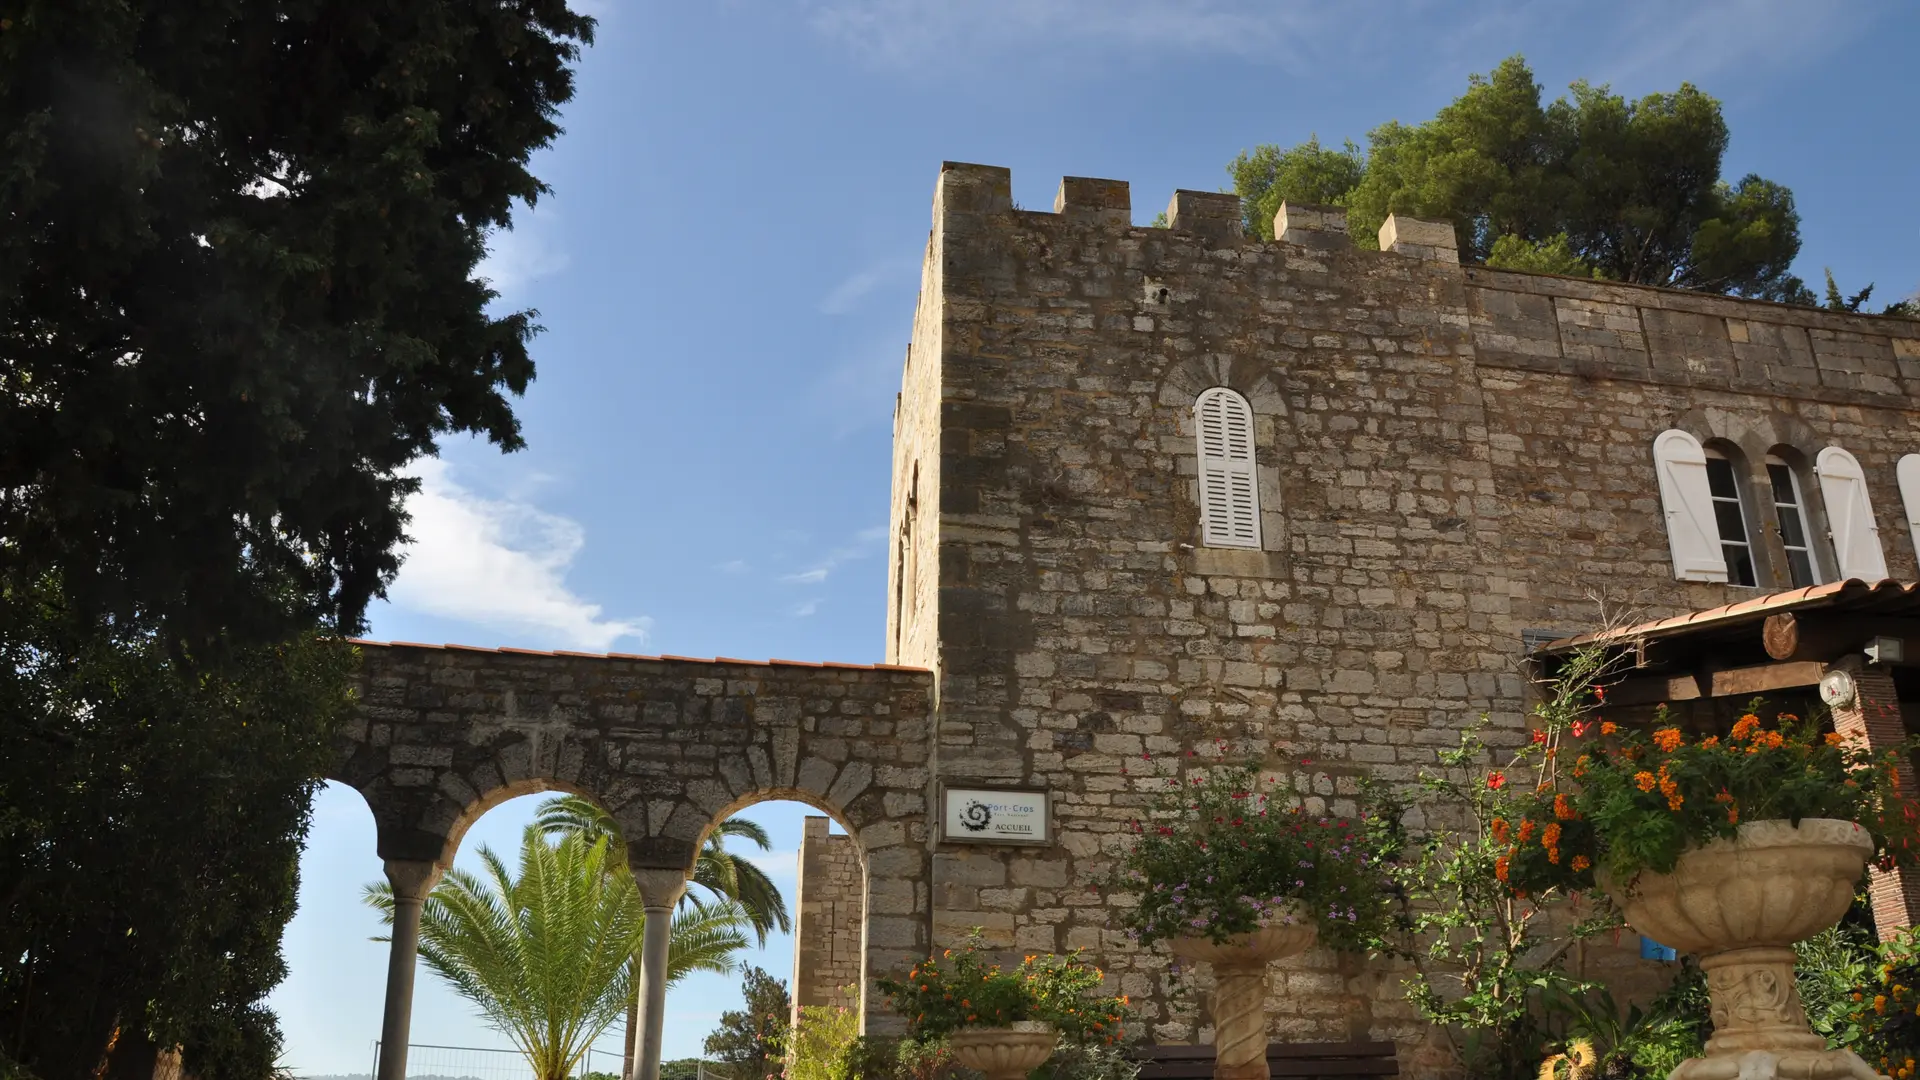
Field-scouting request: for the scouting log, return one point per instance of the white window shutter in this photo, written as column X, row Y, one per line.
column 1908, row 473
column 1856, row 536
column 1692, row 535
column 1229, row 493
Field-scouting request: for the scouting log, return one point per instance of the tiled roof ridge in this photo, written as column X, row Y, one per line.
column 668, row 658
column 1814, row 596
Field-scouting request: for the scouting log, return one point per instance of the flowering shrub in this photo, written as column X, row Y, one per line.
column 1587, row 794
column 1224, row 852
column 1886, row 1013
column 961, row 989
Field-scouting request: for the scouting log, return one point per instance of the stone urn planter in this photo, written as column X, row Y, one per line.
column 1740, row 904
column 1239, row 1001
column 1004, row 1053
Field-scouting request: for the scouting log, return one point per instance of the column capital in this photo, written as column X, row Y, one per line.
column 412, row 879
column 660, row 887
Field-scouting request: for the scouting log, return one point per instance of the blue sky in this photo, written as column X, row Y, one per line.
column 726, row 271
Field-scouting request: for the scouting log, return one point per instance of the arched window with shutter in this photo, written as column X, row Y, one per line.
column 1692, row 533
column 1229, row 493
column 1907, row 472
column 1856, row 536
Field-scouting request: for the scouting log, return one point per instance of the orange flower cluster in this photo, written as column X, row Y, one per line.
column 1671, row 789
column 1668, row 739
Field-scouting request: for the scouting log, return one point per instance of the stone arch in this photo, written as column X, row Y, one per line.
column 666, row 745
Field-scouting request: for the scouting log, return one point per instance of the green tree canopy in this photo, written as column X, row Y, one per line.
column 237, row 292
column 150, row 822
column 1589, row 184
column 750, row 1042
column 547, row 956
column 236, row 298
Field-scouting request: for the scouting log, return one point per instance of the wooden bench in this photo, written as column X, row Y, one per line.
column 1314, row 1061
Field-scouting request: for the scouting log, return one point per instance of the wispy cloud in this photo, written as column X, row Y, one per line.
column 519, row 256
column 734, row 566
column 499, row 563
column 857, row 392
column 1626, row 42
column 1708, row 38
column 847, row 295
column 806, row 608
column 905, row 32
column 864, row 543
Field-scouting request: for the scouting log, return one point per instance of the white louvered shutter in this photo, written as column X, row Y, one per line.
column 1229, row 496
column 1908, row 473
column 1856, row 536
column 1692, row 535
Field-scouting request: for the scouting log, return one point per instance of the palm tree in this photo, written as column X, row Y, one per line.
column 722, row 873
column 726, row 876
column 544, row 956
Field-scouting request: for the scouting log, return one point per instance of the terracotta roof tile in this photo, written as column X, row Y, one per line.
column 506, row 650
column 1884, row 596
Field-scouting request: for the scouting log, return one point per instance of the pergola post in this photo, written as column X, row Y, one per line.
column 660, row 892
column 1872, row 719
column 411, row 881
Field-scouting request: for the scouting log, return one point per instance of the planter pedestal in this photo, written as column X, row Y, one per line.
column 1740, row 905
column 1007, row 1053
column 1239, row 1001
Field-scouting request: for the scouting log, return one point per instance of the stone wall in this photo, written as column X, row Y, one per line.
column 1446, row 457
column 829, row 917
column 667, row 745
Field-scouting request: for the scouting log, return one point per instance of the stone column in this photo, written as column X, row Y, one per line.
column 411, row 882
column 660, row 891
column 1873, row 720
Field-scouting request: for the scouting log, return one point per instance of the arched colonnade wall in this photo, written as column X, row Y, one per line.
column 668, row 746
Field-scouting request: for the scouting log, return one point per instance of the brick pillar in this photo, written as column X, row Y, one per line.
column 1873, row 719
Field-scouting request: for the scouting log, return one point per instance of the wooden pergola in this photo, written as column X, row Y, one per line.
column 1852, row 646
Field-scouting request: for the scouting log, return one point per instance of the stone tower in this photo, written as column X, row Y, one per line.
column 1447, row 460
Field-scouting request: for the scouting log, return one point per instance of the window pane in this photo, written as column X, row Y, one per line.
column 1782, row 484
column 1801, row 568
column 1739, row 564
column 1720, row 478
column 1793, row 531
column 1727, row 515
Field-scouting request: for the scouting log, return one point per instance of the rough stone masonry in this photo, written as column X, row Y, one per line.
column 1446, row 458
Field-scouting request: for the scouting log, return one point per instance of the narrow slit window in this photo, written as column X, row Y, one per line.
column 1229, row 494
column 1731, row 518
column 1795, row 533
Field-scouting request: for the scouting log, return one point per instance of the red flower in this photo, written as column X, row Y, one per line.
column 1581, row 727
column 1539, row 737
column 1496, row 781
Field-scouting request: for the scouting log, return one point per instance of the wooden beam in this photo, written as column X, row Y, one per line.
column 1726, row 682
column 1828, row 637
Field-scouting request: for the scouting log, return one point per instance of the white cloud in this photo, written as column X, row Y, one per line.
column 845, row 296
column 906, row 32
column 858, row 392
column 519, row 256
column 864, row 543
column 777, row 864
column 1640, row 44
column 1661, row 43
column 498, row 563
column 801, row 611
column 734, row 566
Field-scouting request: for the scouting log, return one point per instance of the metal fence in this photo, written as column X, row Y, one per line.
column 427, row 1061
